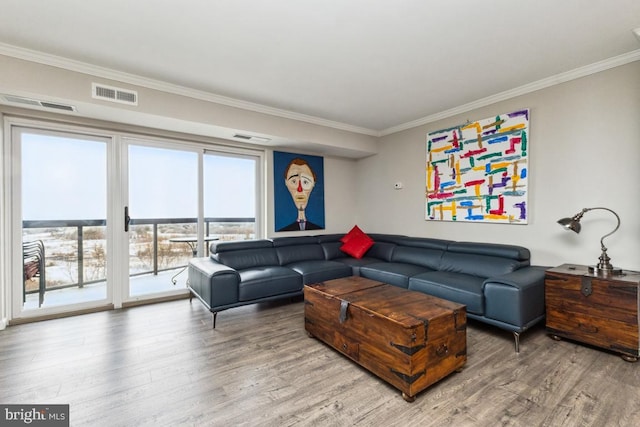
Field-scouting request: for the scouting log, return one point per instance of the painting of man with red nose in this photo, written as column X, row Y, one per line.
column 298, row 191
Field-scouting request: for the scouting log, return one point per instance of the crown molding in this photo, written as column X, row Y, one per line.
column 577, row 73
column 107, row 73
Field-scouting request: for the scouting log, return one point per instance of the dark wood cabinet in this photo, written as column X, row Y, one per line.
column 409, row 339
column 598, row 310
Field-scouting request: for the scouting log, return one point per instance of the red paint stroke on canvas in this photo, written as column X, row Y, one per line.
column 500, row 210
column 512, row 145
column 472, row 153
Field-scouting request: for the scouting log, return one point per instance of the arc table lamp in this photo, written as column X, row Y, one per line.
column 604, row 266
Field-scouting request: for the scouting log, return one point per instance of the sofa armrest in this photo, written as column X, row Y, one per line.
column 523, row 278
column 215, row 284
column 516, row 298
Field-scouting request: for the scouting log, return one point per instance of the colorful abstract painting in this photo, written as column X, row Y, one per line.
column 478, row 171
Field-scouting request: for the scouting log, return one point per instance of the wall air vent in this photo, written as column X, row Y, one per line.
column 11, row 99
column 251, row 138
column 114, row 94
column 57, row 106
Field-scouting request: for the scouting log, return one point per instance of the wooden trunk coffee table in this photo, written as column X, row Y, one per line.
column 409, row 339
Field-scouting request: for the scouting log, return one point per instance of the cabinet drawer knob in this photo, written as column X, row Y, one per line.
column 586, row 288
column 442, row 350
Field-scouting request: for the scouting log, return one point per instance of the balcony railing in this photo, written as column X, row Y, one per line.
column 78, row 245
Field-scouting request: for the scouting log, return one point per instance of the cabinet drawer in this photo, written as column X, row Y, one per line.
column 598, row 331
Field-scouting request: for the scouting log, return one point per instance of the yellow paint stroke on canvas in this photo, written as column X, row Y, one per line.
column 494, row 124
column 444, row 148
column 515, row 177
column 478, row 129
column 451, row 208
column 494, row 216
column 510, row 128
column 477, row 190
column 500, row 165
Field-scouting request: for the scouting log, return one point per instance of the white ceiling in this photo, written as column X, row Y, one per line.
column 370, row 64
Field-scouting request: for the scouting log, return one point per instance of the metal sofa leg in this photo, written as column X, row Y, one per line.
column 516, row 336
column 215, row 315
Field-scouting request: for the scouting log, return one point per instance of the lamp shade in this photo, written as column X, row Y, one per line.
column 570, row 224
column 604, row 266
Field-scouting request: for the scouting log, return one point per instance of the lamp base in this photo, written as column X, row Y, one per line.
column 594, row 269
column 604, row 267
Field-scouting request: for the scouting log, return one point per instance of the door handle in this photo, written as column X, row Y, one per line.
column 127, row 218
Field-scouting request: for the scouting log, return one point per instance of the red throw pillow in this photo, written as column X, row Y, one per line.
column 356, row 243
column 355, row 232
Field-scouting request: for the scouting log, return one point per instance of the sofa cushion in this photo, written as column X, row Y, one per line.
column 461, row 288
column 227, row 246
column 393, row 273
column 261, row 282
column 241, row 259
column 294, row 249
column 424, row 243
column 331, row 245
column 424, row 257
column 491, row 249
column 315, row 271
column 323, row 238
column 355, row 263
column 332, row 250
column 381, row 250
column 389, row 238
column 479, row 265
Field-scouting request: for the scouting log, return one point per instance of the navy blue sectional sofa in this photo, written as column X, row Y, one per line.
column 495, row 281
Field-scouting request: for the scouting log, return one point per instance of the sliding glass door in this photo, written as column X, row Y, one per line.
column 62, row 194
column 101, row 219
column 162, row 214
column 170, row 220
column 231, row 190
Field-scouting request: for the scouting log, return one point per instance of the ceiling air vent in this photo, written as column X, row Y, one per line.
column 11, row 99
column 114, row 94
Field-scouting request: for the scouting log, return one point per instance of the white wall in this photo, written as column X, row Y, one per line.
column 167, row 107
column 584, row 149
column 584, row 152
column 177, row 116
column 181, row 117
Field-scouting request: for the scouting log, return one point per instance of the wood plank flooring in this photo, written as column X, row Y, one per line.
column 164, row 365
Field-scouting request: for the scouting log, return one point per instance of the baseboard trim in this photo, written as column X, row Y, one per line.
column 154, row 300
column 31, row 319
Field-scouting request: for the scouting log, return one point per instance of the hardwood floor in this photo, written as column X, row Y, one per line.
column 164, row 365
